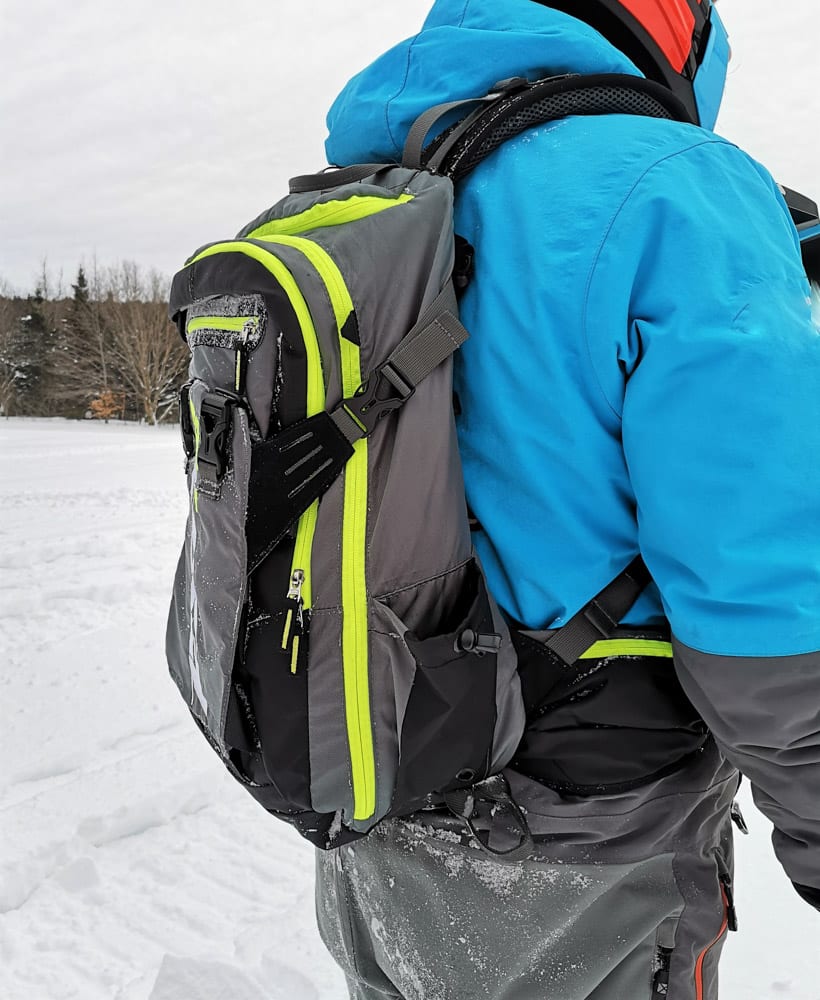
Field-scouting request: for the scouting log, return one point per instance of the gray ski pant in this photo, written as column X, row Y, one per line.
column 625, row 898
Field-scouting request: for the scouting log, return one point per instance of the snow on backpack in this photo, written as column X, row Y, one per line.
column 331, row 629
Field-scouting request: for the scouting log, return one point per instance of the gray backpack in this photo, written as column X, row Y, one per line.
column 331, row 629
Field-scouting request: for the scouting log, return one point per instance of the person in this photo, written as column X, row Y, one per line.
column 641, row 378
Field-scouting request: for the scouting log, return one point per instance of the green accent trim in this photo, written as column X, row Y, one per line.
column 329, row 213
column 315, row 380
column 286, row 633
column 294, row 660
column 230, row 324
column 628, row 647
column 354, row 542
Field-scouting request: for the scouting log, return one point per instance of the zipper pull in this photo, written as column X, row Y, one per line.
column 737, row 818
column 294, row 619
column 242, row 353
column 728, row 891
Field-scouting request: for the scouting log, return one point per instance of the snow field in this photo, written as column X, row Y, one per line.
column 132, row 867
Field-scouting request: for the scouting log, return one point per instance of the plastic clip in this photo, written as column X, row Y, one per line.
column 383, row 391
column 215, row 421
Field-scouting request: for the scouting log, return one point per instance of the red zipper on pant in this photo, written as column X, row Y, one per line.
column 702, row 957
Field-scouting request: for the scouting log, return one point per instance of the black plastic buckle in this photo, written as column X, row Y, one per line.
column 215, row 421
column 383, row 391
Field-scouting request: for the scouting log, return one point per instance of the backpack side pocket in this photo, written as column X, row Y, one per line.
column 210, row 585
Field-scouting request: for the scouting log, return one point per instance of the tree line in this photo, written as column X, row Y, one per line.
column 107, row 351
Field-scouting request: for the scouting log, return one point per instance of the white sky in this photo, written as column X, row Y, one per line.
column 141, row 131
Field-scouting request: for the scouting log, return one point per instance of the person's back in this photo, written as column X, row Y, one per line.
column 641, row 378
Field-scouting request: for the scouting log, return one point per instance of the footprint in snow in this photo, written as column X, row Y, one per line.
column 185, row 978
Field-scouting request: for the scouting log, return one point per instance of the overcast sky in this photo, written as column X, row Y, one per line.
column 140, row 131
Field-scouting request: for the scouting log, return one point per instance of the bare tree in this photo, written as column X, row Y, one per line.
column 145, row 348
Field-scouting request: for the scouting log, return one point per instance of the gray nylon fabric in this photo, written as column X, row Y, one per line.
column 412, row 912
column 210, row 587
column 765, row 714
column 428, row 348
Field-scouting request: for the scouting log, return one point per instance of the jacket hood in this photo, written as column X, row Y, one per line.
column 463, row 48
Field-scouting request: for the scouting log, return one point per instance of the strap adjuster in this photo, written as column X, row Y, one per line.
column 384, row 390
column 599, row 619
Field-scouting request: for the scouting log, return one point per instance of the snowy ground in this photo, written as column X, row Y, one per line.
column 131, row 866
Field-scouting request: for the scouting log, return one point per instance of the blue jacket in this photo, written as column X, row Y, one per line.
column 643, row 375
column 643, row 371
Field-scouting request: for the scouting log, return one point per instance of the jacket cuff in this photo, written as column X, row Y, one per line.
column 811, row 896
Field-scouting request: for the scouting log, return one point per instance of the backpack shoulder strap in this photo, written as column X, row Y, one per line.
column 515, row 105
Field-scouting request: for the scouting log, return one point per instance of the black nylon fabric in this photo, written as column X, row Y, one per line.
column 603, row 725
column 289, row 472
column 811, row 896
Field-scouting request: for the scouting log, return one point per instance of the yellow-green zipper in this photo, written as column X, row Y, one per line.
column 329, row 213
column 354, row 540
column 230, row 324
column 315, row 385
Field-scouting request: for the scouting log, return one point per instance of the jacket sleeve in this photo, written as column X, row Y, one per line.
column 700, row 298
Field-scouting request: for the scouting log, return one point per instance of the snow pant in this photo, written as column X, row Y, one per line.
column 626, row 897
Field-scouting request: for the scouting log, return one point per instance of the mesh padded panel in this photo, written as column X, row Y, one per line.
column 513, row 115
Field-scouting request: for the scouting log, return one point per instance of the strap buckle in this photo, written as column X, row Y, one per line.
column 384, row 390
column 215, row 422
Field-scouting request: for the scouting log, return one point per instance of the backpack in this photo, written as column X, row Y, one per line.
column 331, row 629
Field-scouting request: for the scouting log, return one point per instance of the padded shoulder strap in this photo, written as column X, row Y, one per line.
column 516, row 105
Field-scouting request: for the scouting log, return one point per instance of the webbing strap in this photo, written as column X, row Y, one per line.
column 414, row 147
column 599, row 619
column 433, row 339
column 335, row 178
column 435, row 336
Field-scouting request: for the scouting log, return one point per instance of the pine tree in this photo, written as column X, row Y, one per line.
column 30, row 349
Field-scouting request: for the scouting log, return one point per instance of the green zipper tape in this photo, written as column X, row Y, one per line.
column 354, row 542
column 628, row 647
column 329, row 213
column 231, row 324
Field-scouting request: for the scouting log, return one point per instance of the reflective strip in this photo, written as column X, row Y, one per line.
column 628, row 647
column 197, row 437
column 329, row 213
column 315, row 380
column 354, row 541
column 193, row 654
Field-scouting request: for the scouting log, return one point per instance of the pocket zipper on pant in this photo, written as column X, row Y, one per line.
column 354, row 540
